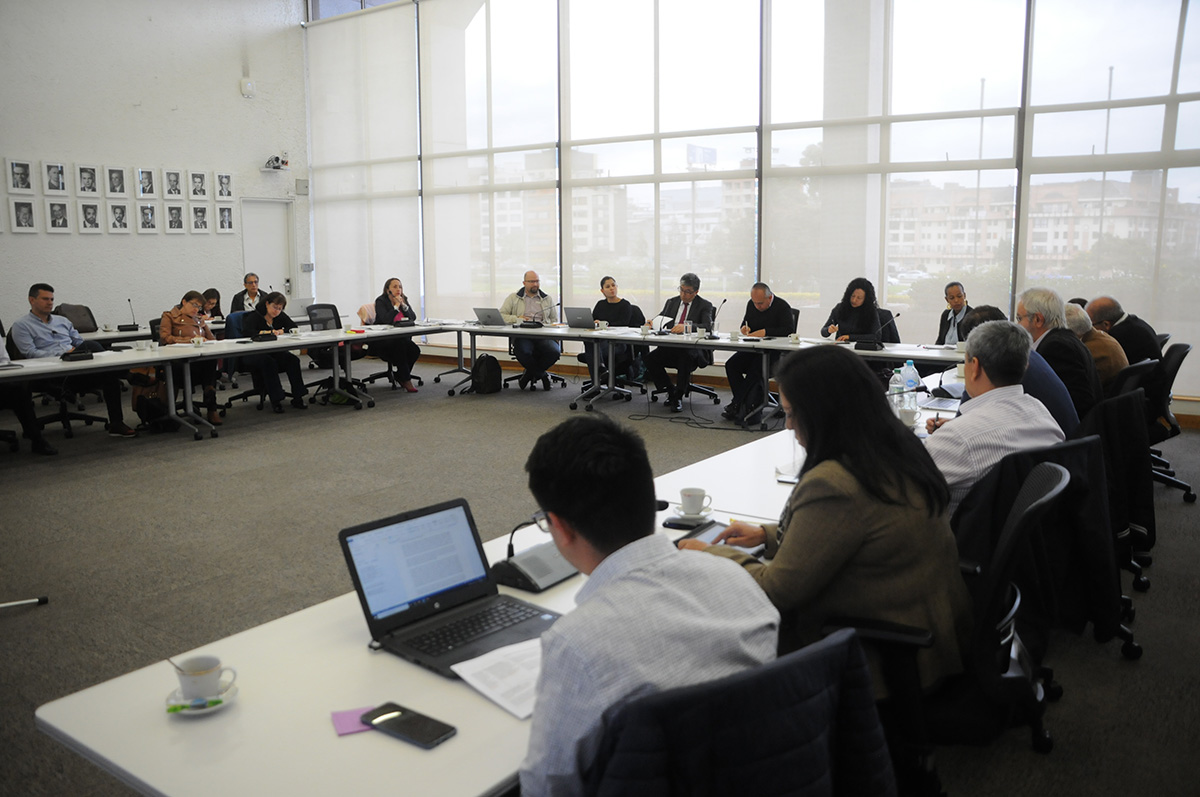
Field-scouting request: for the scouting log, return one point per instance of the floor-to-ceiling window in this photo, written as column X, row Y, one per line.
column 801, row 142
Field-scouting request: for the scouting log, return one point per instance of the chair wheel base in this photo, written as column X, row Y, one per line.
column 1131, row 650
column 1189, row 498
column 1141, row 584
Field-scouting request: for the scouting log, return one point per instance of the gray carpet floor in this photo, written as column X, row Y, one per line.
column 152, row 546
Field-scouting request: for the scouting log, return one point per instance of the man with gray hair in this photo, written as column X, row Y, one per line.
column 1106, row 352
column 999, row 419
column 687, row 306
column 1040, row 311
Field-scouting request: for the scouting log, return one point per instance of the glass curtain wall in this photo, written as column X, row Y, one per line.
column 801, row 142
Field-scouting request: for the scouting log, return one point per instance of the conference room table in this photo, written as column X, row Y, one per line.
column 277, row 737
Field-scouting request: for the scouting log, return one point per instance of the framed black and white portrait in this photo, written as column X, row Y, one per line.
column 90, row 218
column 224, row 186
column 173, row 183
column 176, row 220
column 147, row 218
column 198, row 217
column 22, row 216
column 117, row 219
column 114, row 182
column 147, row 183
column 54, row 178
column 225, row 219
column 87, row 180
column 198, row 185
column 58, row 216
column 20, row 175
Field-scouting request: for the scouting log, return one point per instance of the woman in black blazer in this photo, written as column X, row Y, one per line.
column 392, row 307
column 266, row 367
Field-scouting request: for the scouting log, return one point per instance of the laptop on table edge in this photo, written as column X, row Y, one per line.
column 423, row 570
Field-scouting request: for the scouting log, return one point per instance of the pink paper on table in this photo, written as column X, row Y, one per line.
column 348, row 721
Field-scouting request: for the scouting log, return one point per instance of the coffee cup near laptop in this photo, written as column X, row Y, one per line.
column 601, row 325
column 908, row 416
column 200, row 677
column 693, row 500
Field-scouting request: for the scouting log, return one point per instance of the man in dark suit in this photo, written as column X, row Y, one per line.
column 1040, row 311
column 1137, row 338
column 687, row 306
column 956, row 310
column 767, row 315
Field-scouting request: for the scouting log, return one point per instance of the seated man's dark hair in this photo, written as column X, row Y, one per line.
column 690, row 280
column 596, row 475
column 37, row 288
column 977, row 316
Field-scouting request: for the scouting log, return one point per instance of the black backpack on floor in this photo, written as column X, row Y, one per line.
column 485, row 375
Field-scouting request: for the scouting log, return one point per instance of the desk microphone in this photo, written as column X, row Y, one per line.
column 129, row 327
column 875, row 345
column 534, row 569
column 711, row 334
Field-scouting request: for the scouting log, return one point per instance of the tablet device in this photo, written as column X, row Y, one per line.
column 707, row 532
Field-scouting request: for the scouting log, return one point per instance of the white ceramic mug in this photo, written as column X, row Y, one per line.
column 142, row 345
column 693, row 500
column 108, row 327
column 960, row 370
column 793, row 338
column 201, row 677
column 908, row 416
column 961, row 345
column 601, row 325
column 735, row 334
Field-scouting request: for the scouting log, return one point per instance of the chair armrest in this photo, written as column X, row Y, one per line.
column 969, row 568
column 882, row 631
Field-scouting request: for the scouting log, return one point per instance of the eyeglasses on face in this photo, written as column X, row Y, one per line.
column 541, row 521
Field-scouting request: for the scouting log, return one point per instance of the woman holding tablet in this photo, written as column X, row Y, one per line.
column 865, row 531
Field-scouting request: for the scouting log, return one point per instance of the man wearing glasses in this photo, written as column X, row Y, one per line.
column 250, row 298
column 650, row 617
column 1041, row 312
column 40, row 334
column 688, row 306
column 535, row 355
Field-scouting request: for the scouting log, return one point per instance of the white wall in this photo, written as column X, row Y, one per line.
column 148, row 83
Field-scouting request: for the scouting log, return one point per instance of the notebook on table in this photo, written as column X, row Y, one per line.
column 426, row 590
column 489, row 317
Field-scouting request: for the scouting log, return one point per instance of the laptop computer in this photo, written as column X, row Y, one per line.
column 489, row 317
column 427, row 592
column 579, row 317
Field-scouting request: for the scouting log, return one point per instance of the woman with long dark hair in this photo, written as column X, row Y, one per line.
column 392, row 307
column 865, row 531
column 858, row 316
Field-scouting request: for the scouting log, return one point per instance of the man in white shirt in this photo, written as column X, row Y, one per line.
column 650, row 616
column 999, row 419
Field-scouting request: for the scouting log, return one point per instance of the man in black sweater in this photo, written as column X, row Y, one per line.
column 1137, row 338
column 767, row 315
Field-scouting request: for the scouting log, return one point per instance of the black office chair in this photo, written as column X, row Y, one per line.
column 80, row 316
column 1163, row 425
column 691, row 388
column 366, row 314
column 627, row 365
column 1000, row 685
column 1163, row 337
column 323, row 317
column 804, row 724
column 1132, row 377
column 236, row 365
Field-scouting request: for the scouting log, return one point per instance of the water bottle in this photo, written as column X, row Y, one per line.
column 896, row 391
column 912, row 380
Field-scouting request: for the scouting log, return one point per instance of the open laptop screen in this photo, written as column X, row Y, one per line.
column 405, row 564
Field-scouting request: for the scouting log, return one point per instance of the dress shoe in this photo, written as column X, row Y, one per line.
column 545, row 382
column 299, row 404
column 732, row 411
column 410, row 387
column 675, row 403
column 120, row 430
column 214, row 418
column 277, row 407
column 40, row 446
column 523, row 380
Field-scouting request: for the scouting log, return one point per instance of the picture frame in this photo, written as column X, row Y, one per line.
column 58, row 214
column 174, row 183
column 116, row 217
column 115, row 185
column 91, row 217
column 18, row 175
column 147, row 218
column 176, row 218
column 87, row 181
column 223, row 186
column 199, row 218
column 225, row 221
column 146, row 185
column 22, row 214
column 54, row 179
column 198, row 186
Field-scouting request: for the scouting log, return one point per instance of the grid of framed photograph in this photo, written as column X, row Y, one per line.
column 93, row 199
column 90, row 216
column 22, row 215
column 58, row 215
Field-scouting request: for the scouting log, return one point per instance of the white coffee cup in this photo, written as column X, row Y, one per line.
column 141, row 345
column 293, row 331
column 693, row 500
column 735, row 334
column 108, row 327
column 961, row 345
column 793, row 338
column 201, row 677
column 960, row 370
column 601, row 325
column 908, row 416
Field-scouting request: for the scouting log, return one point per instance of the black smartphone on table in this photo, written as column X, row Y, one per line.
column 411, row 726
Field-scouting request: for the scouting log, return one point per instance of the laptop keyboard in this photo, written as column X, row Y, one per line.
column 496, row 617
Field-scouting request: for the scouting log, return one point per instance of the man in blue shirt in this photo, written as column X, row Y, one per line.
column 41, row 334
